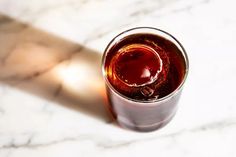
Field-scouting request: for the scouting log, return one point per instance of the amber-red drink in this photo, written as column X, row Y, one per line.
column 144, row 69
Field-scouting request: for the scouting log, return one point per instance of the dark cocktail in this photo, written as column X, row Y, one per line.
column 144, row 69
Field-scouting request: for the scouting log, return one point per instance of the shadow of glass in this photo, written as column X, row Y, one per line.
column 52, row 68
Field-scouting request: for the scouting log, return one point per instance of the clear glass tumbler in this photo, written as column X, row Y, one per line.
column 143, row 115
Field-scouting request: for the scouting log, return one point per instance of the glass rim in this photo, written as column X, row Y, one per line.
column 165, row 98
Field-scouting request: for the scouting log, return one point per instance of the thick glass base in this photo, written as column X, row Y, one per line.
column 145, row 128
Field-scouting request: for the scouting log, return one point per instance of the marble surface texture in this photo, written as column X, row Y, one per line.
column 51, row 89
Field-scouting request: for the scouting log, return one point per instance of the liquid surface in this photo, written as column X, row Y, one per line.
column 144, row 66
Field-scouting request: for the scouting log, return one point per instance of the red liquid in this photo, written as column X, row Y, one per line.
column 145, row 66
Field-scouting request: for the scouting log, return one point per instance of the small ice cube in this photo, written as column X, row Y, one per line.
column 147, row 91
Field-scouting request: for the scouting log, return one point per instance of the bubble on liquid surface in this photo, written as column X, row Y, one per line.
column 138, row 65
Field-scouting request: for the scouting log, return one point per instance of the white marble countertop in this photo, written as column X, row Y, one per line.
column 51, row 90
